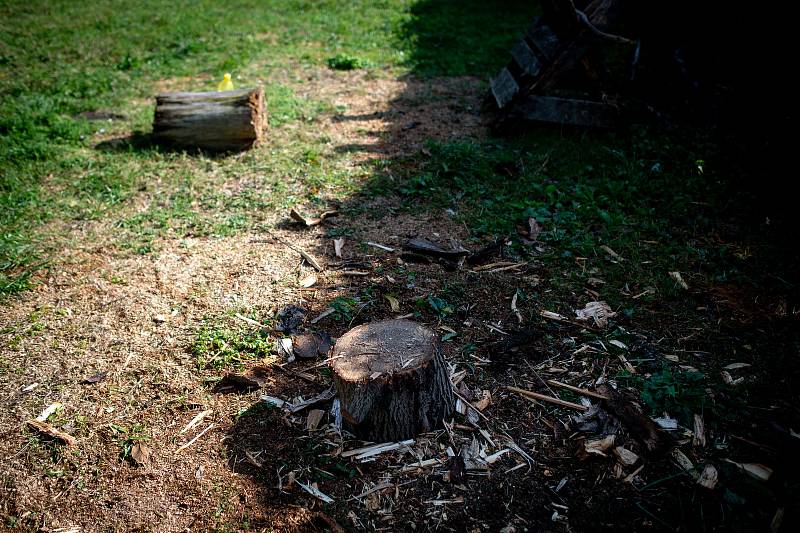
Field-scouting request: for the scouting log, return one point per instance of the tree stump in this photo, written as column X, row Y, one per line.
column 214, row 121
column 392, row 381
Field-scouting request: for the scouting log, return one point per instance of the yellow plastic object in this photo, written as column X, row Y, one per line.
column 226, row 84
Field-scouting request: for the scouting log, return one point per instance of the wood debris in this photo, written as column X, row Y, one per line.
column 375, row 449
column 394, row 304
column 195, row 421
column 48, row 411
column 632, row 475
column 679, row 280
column 625, row 456
column 514, row 306
column 626, row 364
column 307, row 221
column 708, row 477
column 314, row 491
column 425, row 247
column 209, row 428
column 50, row 431
column 754, row 470
column 326, row 312
column 380, row 246
column 308, row 281
column 314, row 418
column 699, row 437
column 598, row 312
column 611, row 253
column 596, row 447
column 338, row 244
column 576, row 390
column 277, row 402
column 300, row 403
column 543, row 398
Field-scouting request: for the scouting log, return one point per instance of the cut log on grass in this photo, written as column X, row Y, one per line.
column 392, row 381
column 214, row 121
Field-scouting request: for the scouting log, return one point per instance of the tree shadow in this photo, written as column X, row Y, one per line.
column 435, row 171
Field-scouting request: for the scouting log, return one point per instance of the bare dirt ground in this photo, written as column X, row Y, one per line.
column 133, row 319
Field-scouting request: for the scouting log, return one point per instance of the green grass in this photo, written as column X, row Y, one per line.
column 59, row 59
column 219, row 346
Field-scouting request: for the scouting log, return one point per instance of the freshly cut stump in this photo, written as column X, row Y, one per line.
column 214, row 121
column 392, row 380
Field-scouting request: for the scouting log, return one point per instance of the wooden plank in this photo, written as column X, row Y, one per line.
column 555, row 110
column 525, row 58
column 543, row 39
column 504, row 88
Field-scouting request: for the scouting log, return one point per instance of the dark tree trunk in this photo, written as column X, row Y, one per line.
column 392, row 381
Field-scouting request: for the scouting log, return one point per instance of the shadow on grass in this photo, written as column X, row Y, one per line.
column 658, row 199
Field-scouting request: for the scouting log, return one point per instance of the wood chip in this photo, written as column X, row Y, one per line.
column 598, row 312
column 596, row 447
column 209, row 428
column 309, row 281
column 314, row 418
column 277, row 402
column 679, row 280
column 195, row 421
column 632, row 475
column 514, row 306
column 380, row 246
column 611, row 253
column 251, row 321
column 49, row 410
column 338, row 244
column 394, row 304
column 295, row 215
column 355, row 273
column 310, row 258
column 708, row 477
column 625, row 456
column 50, row 431
column 326, row 312
column 699, row 437
column 314, row 491
column 754, row 470
column 736, row 366
column 485, row 401
column 375, row 449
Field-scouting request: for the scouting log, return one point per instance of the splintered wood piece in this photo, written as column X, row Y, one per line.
column 392, row 380
column 50, row 431
column 214, row 121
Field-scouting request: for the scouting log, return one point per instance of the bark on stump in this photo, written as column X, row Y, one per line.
column 214, row 121
column 392, row 381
